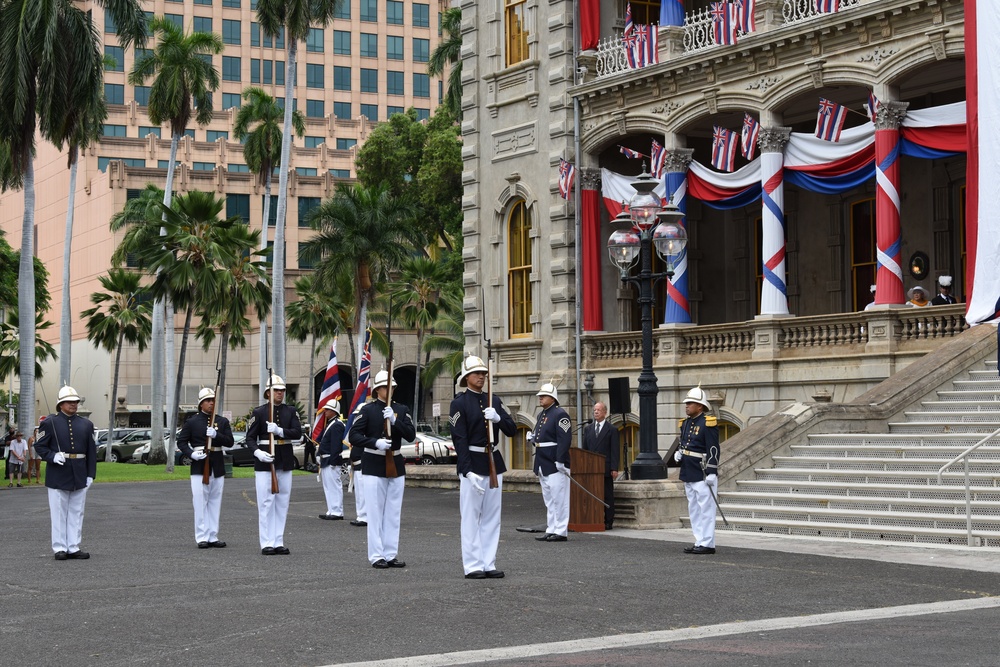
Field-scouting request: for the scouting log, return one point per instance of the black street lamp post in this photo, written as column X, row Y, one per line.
column 625, row 247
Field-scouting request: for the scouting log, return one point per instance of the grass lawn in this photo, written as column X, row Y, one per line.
column 136, row 472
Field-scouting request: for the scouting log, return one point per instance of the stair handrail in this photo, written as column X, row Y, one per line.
column 968, row 494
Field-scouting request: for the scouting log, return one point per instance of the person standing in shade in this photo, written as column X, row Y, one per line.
column 944, row 297
column 383, row 494
column 34, row 463
column 470, row 416
column 331, row 444
column 602, row 437
column 552, row 436
column 272, row 508
column 68, row 443
column 698, row 454
column 18, row 458
column 193, row 442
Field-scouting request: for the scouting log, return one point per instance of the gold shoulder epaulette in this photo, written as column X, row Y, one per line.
column 680, row 422
column 711, row 421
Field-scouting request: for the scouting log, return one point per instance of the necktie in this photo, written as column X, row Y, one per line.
column 597, row 431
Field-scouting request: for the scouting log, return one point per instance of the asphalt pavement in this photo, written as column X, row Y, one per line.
column 148, row 596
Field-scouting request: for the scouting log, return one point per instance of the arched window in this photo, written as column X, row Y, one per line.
column 519, row 270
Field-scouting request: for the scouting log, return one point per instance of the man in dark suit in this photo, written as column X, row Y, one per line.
column 602, row 438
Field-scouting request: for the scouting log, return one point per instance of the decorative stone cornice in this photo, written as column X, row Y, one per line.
column 773, row 139
column 890, row 115
column 677, row 160
column 590, row 179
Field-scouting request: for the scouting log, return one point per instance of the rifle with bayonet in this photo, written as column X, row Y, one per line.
column 206, row 472
column 390, row 457
column 270, row 416
column 494, row 482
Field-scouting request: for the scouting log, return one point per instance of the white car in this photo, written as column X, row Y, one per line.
column 429, row 449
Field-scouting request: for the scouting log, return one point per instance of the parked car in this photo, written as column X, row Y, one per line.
column 243, row 455
column 119, row 433
column 428, row 449
column 141, row 455
column 122, row 450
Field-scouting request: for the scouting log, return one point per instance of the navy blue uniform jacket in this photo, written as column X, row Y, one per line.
column 69, row 435
column 370, row 426
column 468, row 428
column 553, row 425
column 287, row 418
column 699, row 434
column 193, row 435
column 331, row 444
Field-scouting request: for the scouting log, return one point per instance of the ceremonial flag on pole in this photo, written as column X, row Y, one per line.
column 751, row 130
column 330, row 390
column 566, row 173
column 628, row 20
column 657, row 159
column 830, row 120
column 745, row 20
column 827, row 6
column 871, row 107
column 723, row 22
column 361, row 390
column 723, row 149
column 671, row 13
column 629, row 153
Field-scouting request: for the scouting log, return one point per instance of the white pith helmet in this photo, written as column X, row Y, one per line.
column 944, row 281
column 275, row 382
column 333, row 404
column 205, row 394
column 381, row 379
column 67, row 395
column 549, row 389
column 698, row 395
column 471, row 365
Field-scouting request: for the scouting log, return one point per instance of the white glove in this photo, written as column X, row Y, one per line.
column 491, row 415
column 319, row 478
column 383, row 444
column 477, row 482
column 211, row 432
column 275, row 429
column 531, row 436
column 90, row 480
column 59, row 458
column 263, row 456
column 560, row 467
column 198, row 455
column 389, row 414
column 678, row 456
column 712, row 480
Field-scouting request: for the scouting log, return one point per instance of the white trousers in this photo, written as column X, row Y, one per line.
column 272, row 508
column 480, row 525
column 701, row 510
column 555, row 493
column 360, row 509
column 333, row 489
column 207, row 501
column 66, row 510
column 384, row 501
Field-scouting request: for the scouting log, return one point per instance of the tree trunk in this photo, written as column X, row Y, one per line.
column 262, row 348
column 416, row 380
column 171, row 447
column 114, row 397
column 278, row 279
column 66, row 325
column 169, row 367
column 310, row 410
column 26, row 305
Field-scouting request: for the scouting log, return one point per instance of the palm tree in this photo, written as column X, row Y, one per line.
column 262, row 152
column 182, row 77
column 363, row 232
column 449, row 51
column 38, row 43
column 10, row 361
column 297, row 17
column 120, row 315
column 448, row 338
column 313, row 316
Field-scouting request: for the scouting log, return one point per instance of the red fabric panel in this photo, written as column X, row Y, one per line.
column 593, row 310
column 945, row 138
column 590, row 24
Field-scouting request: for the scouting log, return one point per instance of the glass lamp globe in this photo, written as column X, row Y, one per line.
column 623, row 247
column 670, row 239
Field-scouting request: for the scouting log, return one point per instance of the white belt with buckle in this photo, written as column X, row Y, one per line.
column 477, row 450
column 376, row 452
column 75, row 456
column 276, row 442
column 697, row 455
column 546, row 444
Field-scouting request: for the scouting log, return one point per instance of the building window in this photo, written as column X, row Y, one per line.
column 254, row 34
column 231, row 3
column 342, row 110
column 369, row 10
column 645, row 12
column 110, row 26
column 346, row 144
column 215, row 135
column 231, row 100
column 145, row 130
column 189, row 133
column 391, row 111
column 421, row 85
column 231, row 31
column 163, row 164
column 238, row 169
column 421, row 50
column 306, row 206
column 370, row 111
column 341, row 77
column 515, row 31
column 421, row 15
column 314, row 40
column 340, row 173
column 306, row 171
column 519, row 270
column 440, row 91
column 369, row 45
column 202, row 24
column 394, row 12
column 314, row 76
column 238, row 206
column 313, row 142
column 113, row 131
column 423, row 114
column 203, row 2
column 342, row 11
column 117, row 54
column 315, row 108
column 522, row 451
column 394, row 83
column 114, row 93
column 202, row 166
column 102, row 162
column 255, row 70
column 176, row 19
column 279, row 42
column 863, row 252
column 305, row 264
column 268, row 71
column 141, row 94
column 341, row 43
column 369, row 80
column 231, row 68
column 394, row 47
column 272, row 214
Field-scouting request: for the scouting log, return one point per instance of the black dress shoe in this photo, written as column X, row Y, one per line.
column 543, row 538
column 203, row 545
column 78, row 555
column 494, row 574
column 380, row 564
column 267, row 551
column 331, row 517
column 555, row 538
column 216, row 544
column 478, row 574
column 702, row 550
column 690, row 549
column 607, row 526
column 359, row 523
column 282, row 551
column 394, row 562
column 61, row 555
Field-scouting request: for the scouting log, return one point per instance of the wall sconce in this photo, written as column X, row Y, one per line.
column 919, row 265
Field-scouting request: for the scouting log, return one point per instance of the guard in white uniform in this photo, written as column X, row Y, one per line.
column 331, row 444
column 698, row 455
column 383, row 494
column 193, row 442
column 470, row 416
column 552, row 437
column 360, row 509
column 67, row 442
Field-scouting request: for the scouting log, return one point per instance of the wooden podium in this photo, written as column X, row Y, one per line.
column 586, row 515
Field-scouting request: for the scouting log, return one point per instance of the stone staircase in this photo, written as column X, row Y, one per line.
column 883, row 486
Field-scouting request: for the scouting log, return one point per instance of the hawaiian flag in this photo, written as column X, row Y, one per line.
column 630, row 154
column 827, row 6
column 723, row 22
column 745, row 20
column 361, row 390
column 830, row 120
column 330, row 390
column 566, row 173
column 871, row 107
column 641, row 43
column 628, row 20
column 657, row 160
column 751, row 130
column 671, row 13
column 723, row 149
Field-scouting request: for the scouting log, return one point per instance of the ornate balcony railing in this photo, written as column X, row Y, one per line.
column 795, row 11
column 698, row 33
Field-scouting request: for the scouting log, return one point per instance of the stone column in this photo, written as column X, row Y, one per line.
column 675, row 168
column 888, row 235
column 774, row 291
